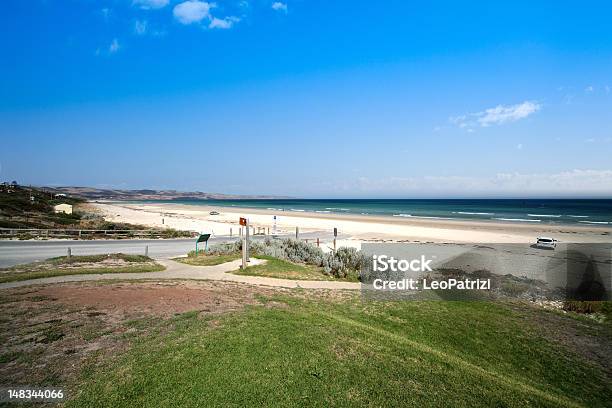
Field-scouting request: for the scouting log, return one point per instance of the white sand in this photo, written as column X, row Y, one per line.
column 353, row 229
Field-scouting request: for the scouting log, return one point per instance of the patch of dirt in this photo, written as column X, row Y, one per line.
column 156, row 299
column 49, row 332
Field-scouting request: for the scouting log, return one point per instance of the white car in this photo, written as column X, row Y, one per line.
column 546, row 242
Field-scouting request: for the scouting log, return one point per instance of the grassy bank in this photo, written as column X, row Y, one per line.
column 297, row 352
column 204, row 259
column 80, row 265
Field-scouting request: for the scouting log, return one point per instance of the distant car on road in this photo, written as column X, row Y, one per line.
column 546, row 242
column 214, row 213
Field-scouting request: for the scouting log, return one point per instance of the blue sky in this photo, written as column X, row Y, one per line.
column 309, row 98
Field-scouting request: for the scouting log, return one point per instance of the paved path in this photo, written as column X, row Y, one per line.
column 177, row 270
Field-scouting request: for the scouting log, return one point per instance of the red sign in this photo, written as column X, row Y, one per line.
column 243, row 221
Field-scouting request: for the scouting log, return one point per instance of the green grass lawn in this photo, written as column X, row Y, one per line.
column 281, row 269
column 203, row 259
column 80, row 265
column 299, row 352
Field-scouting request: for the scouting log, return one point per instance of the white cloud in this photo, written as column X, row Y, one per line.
column 278, row 6
column 192, row 11
column 140, row 27
column 496, row 116
column 502, row 114
column 150, row 4
column 589, row 89
column 223, row 23
column 519, row 146
column 114, row 46
column 567, row 183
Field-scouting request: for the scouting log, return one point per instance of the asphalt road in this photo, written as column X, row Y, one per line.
column 20, row 252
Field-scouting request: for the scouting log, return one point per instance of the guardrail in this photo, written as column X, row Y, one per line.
column 81, row 233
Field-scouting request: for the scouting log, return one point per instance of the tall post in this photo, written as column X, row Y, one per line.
column 297, row 232
column 335, row 236
column 146, row 250
column 247, row 240
column 244, row 258
column 69, row 253
column 230, row 232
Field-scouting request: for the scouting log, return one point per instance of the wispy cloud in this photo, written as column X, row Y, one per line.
column 150, row 4
column 278, row 6
column 195, row 11
column 111, row 49
column 140, row 27
column 106, row 12
column 192, row 11
column 114, row 46
column 498, row 115
column 567, row 183
column 223, row 23
column 589, row 89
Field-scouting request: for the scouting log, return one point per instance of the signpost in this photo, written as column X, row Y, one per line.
column 202, row 238
column 274, row 227
column 335, row 236
column 245, row 244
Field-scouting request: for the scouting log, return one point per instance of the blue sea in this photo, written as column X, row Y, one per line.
column 594, row 212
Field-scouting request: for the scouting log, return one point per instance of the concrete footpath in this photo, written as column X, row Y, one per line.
column 177, row 270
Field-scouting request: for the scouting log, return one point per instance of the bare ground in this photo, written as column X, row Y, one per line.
column 48, row 332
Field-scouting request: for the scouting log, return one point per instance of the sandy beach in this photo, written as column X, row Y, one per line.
column 352, row 229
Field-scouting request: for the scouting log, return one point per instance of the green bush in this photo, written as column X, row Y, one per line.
column 343, row 263
column 587, row 307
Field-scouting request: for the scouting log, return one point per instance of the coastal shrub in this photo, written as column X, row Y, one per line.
column 174, row 233
column 290, row 250
column 586, row 307
column 345, row 262
column 225, row 248
column 514, row 289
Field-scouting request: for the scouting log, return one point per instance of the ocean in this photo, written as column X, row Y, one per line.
column 594, row 212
